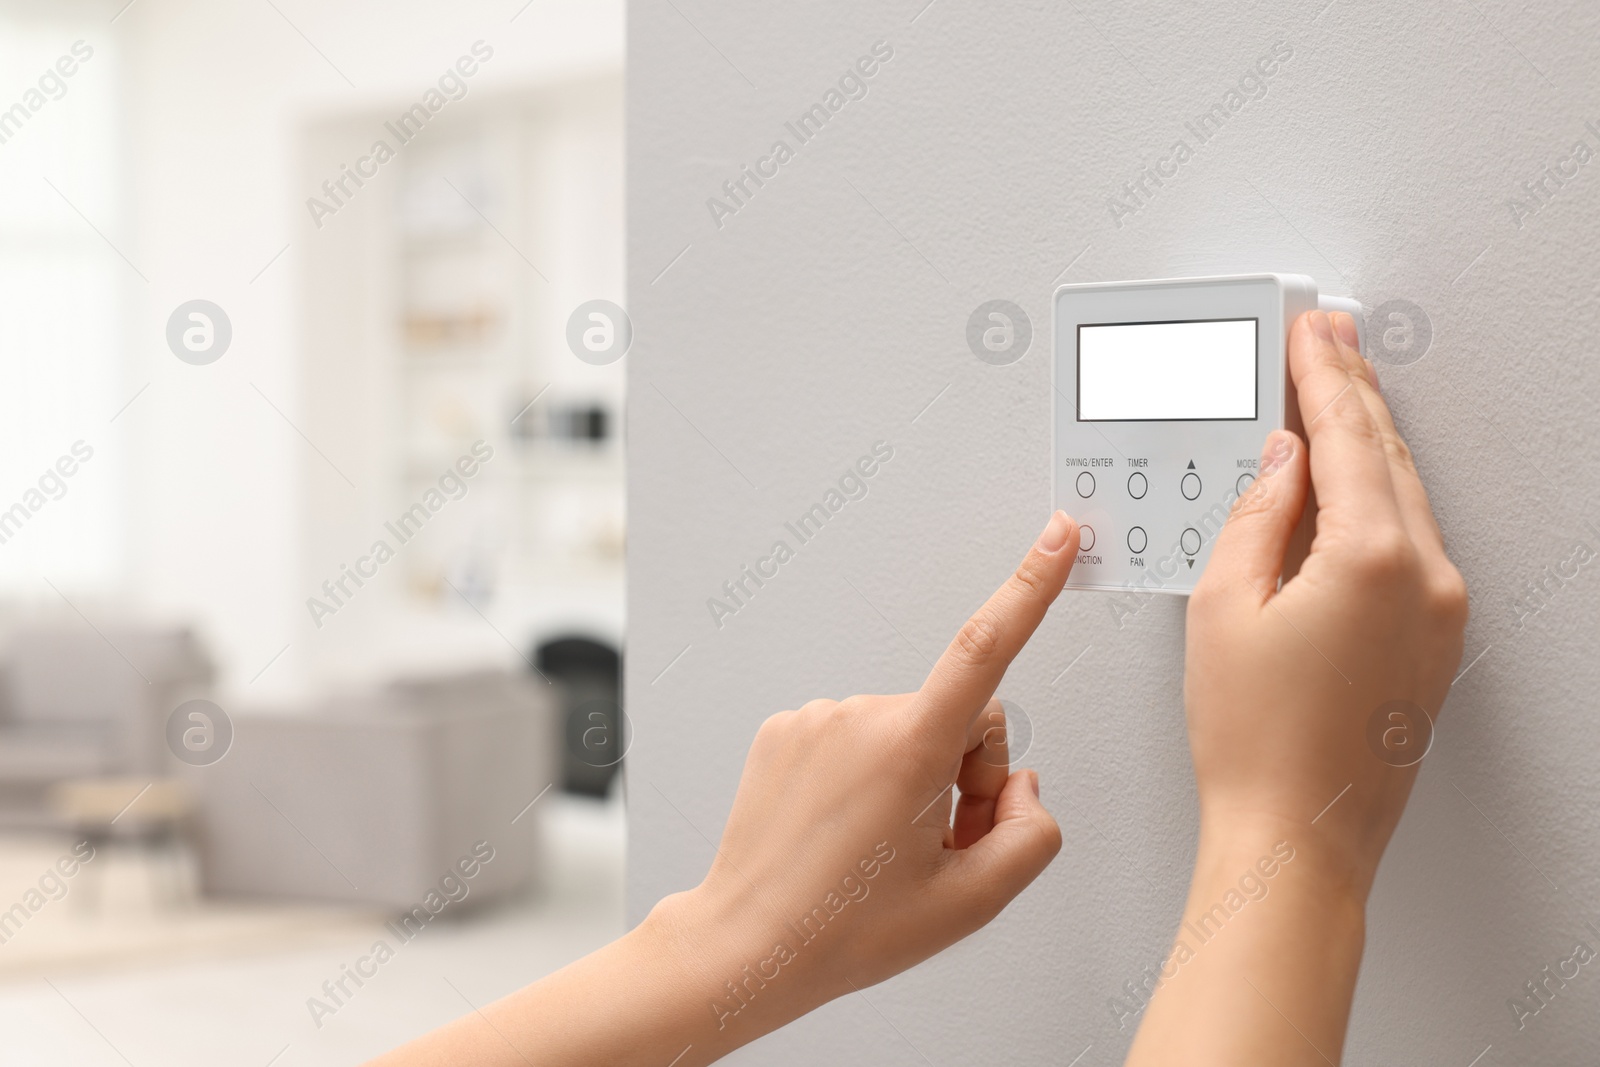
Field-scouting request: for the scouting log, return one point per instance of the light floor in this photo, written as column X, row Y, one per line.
column 230, row 985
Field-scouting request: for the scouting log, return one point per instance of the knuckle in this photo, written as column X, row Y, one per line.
column 1259, row 499
column 1396, row 450
column 1354, row 419
column 1448, row 596
column 861, row 712
column 820, row 715
column 771, row 733
column 977, row 639
column 1386, row 556
column 1030, row 576
column 1335, row 401
column 1312, row 348
column 1050, row 835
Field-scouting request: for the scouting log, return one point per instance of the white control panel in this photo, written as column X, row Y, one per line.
column 1164, row 394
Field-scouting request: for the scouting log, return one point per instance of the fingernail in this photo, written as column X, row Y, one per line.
column 1280, row 446
column 1321, row 326
column 1346, row 325
column 1054, row 538
column 1033, row 780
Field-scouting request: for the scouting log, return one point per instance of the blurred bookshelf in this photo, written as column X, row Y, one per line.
column 438, row 323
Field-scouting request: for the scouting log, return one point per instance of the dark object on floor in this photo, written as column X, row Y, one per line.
column 589, row 674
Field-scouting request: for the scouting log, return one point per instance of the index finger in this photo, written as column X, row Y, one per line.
column 1349, row 469
column 966, row 675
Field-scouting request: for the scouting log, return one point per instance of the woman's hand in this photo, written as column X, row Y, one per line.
column 1309, row 707
column 840, row 866
column 1281, row 686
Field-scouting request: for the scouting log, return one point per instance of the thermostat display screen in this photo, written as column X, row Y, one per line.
column 1156, row 371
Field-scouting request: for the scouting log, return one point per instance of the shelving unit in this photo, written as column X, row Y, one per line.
column 438, row 314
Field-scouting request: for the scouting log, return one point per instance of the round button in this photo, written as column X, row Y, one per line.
column 1245, row 482
column 1086, row 484
column 1138, row 540
column 1190, row 541
column 1137, row 485
column 1191, row 485
column 1085, row 538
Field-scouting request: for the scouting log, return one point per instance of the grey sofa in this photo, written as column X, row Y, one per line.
column 372, row 799
column 76, row 703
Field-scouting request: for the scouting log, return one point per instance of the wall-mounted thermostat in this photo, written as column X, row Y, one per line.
column 1164, row 394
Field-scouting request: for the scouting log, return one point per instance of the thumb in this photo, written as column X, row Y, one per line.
column 1000, row 864
column 1252, row 543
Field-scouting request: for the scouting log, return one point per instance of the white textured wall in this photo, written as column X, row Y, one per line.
column 828, row 312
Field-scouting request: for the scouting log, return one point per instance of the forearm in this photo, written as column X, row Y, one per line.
column 1264, row 965
column 644, row 999
column 838, row 867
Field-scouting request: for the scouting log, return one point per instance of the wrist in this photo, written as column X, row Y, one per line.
column 1301, row 885
column 644, row 1000
column 1233, row 840
column 716, row 973
column 1273, row 928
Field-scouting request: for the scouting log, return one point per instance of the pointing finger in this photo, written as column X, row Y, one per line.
column 970, row 669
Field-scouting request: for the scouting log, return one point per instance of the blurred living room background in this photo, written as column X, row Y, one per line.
column 311, row 520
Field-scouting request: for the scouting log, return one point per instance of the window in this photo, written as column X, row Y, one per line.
column 60, row 306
